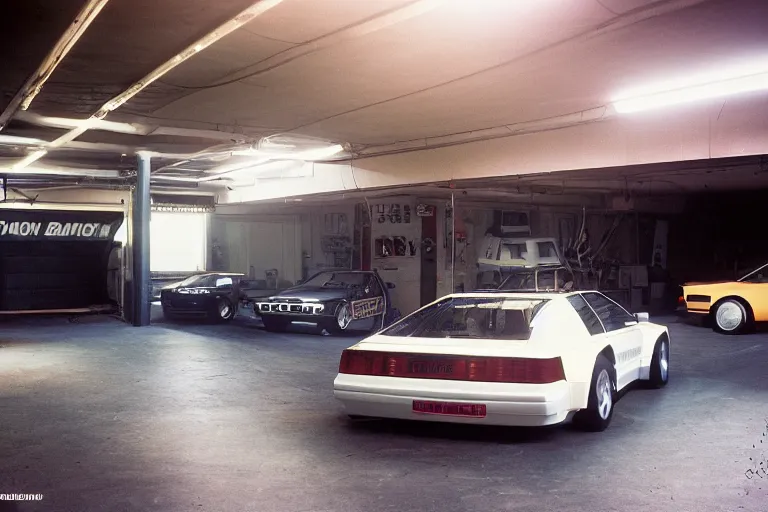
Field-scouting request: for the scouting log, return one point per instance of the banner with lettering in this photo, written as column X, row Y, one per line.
column 38, row 225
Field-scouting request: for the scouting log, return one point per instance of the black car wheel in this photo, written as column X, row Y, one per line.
column 275, row 323
column 342, row 318
column 225, row 310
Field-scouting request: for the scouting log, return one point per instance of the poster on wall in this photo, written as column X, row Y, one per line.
column 394, row 213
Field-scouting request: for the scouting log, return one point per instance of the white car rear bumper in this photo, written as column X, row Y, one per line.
column 506, row 404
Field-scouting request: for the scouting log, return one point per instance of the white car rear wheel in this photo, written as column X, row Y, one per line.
column 602, row 392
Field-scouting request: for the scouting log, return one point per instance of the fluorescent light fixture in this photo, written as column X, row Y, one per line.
column 719, row 82
column 13, row 140
column 304, row 150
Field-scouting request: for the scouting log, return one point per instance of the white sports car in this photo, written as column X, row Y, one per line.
column 505, row 358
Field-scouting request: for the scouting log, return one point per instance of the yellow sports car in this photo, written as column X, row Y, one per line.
column 732, row 306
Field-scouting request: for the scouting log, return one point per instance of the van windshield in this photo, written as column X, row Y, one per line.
column 501, row 318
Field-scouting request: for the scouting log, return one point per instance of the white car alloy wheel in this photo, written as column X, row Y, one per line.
column 224, row 309
column 664, row 361
column 344, row 316
column 730, row 315
column 604, row 391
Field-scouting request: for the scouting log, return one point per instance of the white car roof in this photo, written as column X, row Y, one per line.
column 520, row 295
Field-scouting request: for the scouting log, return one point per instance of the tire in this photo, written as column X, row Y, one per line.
column 341, row 320
column 275, row 324
column 224, row 311
column 602, row 395
column 729, row 316
column 659, row 376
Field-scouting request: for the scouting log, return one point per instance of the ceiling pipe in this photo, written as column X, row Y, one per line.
column 204, row 42
column 36, row 81
column 129, row 128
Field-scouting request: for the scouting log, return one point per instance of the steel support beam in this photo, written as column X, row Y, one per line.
column 142, row 286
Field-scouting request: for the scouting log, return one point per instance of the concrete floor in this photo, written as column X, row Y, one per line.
column 97, row 415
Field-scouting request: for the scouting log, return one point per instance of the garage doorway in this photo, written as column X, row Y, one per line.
column 56, row 260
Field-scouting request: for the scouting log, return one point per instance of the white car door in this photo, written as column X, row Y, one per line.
column 624, row 335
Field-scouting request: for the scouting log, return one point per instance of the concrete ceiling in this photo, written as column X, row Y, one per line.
column 369, row 73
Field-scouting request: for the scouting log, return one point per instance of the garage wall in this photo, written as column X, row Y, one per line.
column 327, row 235
column 403, row 271
column 253, row 245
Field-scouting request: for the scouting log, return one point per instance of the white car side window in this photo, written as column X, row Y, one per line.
column 612, row 315
column 588, row 316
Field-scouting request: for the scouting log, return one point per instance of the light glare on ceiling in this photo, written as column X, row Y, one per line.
column 746, row 79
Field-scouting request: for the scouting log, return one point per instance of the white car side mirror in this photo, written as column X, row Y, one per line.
column 643, row 317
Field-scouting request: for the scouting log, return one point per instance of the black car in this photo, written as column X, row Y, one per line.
column 333, row 300
column 211, row 296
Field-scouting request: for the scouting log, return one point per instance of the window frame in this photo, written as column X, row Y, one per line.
column 599, row 320
column 630, row 315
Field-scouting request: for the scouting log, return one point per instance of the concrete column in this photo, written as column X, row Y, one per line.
column 142, row 286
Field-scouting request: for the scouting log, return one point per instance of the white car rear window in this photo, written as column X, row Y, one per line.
column 501, row 318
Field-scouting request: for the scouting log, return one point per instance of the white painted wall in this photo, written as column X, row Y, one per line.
column 253, row 245
column 318, row 225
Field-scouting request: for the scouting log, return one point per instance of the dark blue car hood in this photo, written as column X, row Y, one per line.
column 313, row 292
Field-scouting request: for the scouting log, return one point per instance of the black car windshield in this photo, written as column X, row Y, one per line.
column 338, row 280
column 501, row 318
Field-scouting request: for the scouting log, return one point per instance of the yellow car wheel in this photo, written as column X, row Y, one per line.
column 729, row 316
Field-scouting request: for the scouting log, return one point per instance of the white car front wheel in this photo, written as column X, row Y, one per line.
column 659, row 372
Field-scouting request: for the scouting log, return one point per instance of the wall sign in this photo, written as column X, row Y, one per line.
column 182, row 204
column 58, row 225
column 182, row 208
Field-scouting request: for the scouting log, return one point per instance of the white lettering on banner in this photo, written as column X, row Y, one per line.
column 19, row 228
column 76, row 229
column 55, row 229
